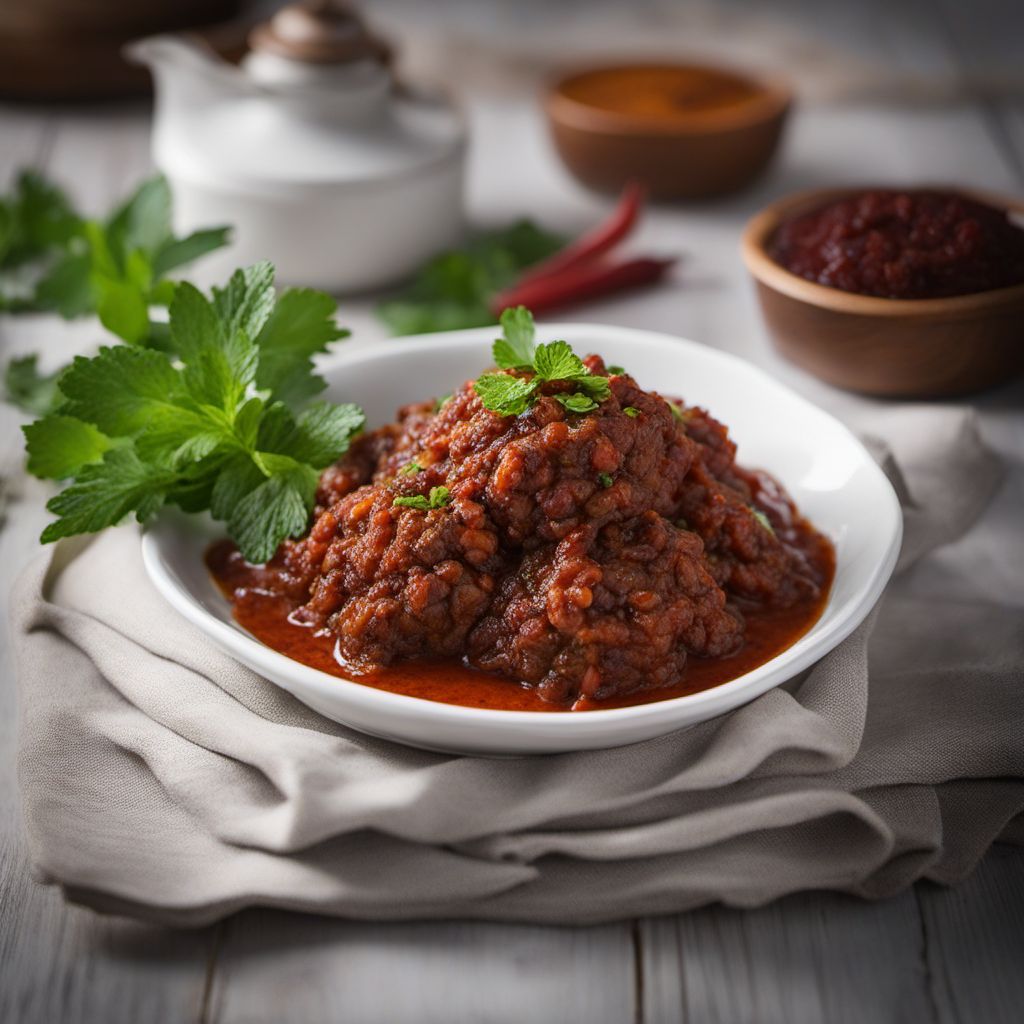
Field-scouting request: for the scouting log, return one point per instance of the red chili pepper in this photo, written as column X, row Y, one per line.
column 597, row 242
column 574, row 284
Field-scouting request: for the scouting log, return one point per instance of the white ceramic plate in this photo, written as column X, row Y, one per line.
column 832, row 478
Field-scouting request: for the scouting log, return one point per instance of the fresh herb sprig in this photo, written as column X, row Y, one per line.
column 516, row 350
column 211, row 424
column 455, row 289
column 52, row 258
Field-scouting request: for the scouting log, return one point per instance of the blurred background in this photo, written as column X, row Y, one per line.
column 901, row 92
column 836, row 50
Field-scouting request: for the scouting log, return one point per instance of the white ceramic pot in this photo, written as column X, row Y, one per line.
column 340, row 178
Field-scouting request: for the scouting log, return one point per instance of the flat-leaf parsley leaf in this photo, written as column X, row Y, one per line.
column 201, row 426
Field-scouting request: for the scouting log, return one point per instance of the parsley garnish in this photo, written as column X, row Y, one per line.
column 439, row 497
column 509, row 395
column 409, row 468
column 615, row 371
column 213, row 425
column 631, row 411
column 605, row 479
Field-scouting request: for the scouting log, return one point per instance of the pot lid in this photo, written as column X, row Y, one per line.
column 319, row 32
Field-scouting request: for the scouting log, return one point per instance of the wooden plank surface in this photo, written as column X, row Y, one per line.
column 932, row 954
column 974, row 942
column 805, row 958
column 293, row 969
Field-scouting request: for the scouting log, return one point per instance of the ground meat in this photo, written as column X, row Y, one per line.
column 606, row 611
column 587, row 555
column 356, row 467
column 393, row 582
column 746, row 552
column 903, row 245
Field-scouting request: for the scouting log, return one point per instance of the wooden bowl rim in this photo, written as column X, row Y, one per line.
column 772, row 104
column 769, row 273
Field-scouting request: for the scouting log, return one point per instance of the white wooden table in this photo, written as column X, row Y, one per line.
column 929, row 955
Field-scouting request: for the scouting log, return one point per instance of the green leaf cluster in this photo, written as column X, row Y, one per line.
column 52, row 258
column 438, row 498
column 455, row 288
column 516, row 350
column 209, row 423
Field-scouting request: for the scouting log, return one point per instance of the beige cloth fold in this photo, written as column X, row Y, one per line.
column 161, row 779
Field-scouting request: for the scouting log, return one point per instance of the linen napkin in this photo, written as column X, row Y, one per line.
column 161, row 779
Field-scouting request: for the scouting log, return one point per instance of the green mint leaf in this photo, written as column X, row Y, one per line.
column 193, row 322
column 505, row 394
column 143, row 221
column 324, row 431
column 577, row 402
column 515, row 350
column 35, row 219
column 247, row 301
column 122, row 308
column 219, row 377
column 67, row 287
column 595, row 387
column 58, row 446
column 557, row 361
column 268, row 514
column 319, row 437
column 219, row 357
column 175, row 252
column 192, row 489
column 420, row 501
column 605, row 479
column 439, row 497
column 28, row 389
column 105, row 492
column 301, row 325
column 120, row 389
column 177, row 435
column 238, row 476
column 631, row 411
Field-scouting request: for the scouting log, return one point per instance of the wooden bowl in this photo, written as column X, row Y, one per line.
column 679, row 144
column 912, row 348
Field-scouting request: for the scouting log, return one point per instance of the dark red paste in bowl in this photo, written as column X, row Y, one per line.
column 903, row 245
